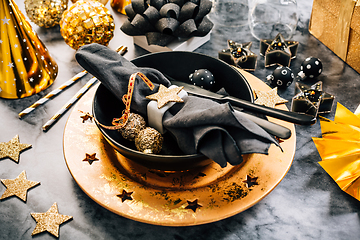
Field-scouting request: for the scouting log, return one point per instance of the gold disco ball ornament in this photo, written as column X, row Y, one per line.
column 45, row 13
column 26, row 66
column 85, row 22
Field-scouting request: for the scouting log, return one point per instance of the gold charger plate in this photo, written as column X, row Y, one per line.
column 193, row 197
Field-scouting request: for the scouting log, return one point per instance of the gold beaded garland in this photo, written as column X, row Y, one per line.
column 45, row 13
column 85, row 22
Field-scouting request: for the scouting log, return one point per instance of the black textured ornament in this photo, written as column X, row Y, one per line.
column 202, row 78
column 282, row 77
column 311, row 67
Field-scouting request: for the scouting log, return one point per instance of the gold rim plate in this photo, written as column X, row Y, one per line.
column 170, row 198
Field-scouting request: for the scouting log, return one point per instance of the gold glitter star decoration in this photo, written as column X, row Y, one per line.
column 166, row 95
column 18, row 187
column 90, row 158
column 49, row 221
column 12, row 148
column 268, row 98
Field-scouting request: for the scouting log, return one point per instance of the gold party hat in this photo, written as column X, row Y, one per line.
column 339, row 149
column 26, row 66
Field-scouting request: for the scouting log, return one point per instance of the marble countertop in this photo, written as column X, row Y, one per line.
column 307, row 204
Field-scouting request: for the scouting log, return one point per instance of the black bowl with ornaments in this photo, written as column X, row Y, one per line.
column 177, row 65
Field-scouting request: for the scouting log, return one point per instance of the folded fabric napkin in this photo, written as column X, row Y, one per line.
column 199, row 125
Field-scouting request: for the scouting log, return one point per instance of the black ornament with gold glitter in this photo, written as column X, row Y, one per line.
column 133, row 126
column 149, row 140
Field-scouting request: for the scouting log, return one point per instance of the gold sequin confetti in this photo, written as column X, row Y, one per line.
column 12, row 148
column 18, row 186
column 269, row 98
column 49, row 221
column 166, row 95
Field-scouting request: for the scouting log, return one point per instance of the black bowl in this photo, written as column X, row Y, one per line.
column 178, row 65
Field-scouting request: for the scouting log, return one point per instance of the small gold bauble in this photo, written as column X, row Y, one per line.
column 133, row 126
column 119, row 5
column 45, row 13
column 149, row 140
column 85, row 22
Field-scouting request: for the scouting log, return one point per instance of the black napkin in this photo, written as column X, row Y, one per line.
column 198, row 124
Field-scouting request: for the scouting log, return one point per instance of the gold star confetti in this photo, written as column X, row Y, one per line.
column 125, row 195
column 12, row 148
column 166, row 95
column 193, row 205
column 90, row 158
column 269, row 98
column 86, row 117
column 18, row 186
column 49, row 221
column 250, row 181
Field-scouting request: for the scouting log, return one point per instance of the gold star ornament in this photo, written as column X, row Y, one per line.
column 269, row 98
column 18, row 186
column 12, row 148
column 166, row 95
column 49, row 221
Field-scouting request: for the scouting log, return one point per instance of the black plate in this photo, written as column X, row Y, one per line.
column 177, row 65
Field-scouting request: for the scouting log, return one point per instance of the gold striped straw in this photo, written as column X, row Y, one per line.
column 121, row 50
column 52, row 94
column 69, row 104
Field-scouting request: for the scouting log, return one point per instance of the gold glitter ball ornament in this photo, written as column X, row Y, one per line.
column 149, row 140
column 45, row 13
column 85, row 22
column 133, row 126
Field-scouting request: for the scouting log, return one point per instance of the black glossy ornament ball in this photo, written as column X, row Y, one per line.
column 202, row 78
column 311, row 67
column 282, row 77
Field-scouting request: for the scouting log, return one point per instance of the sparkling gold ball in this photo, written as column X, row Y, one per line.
column 133, row 126
column 149, row 140
column 85, row 22
column 45, row 13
